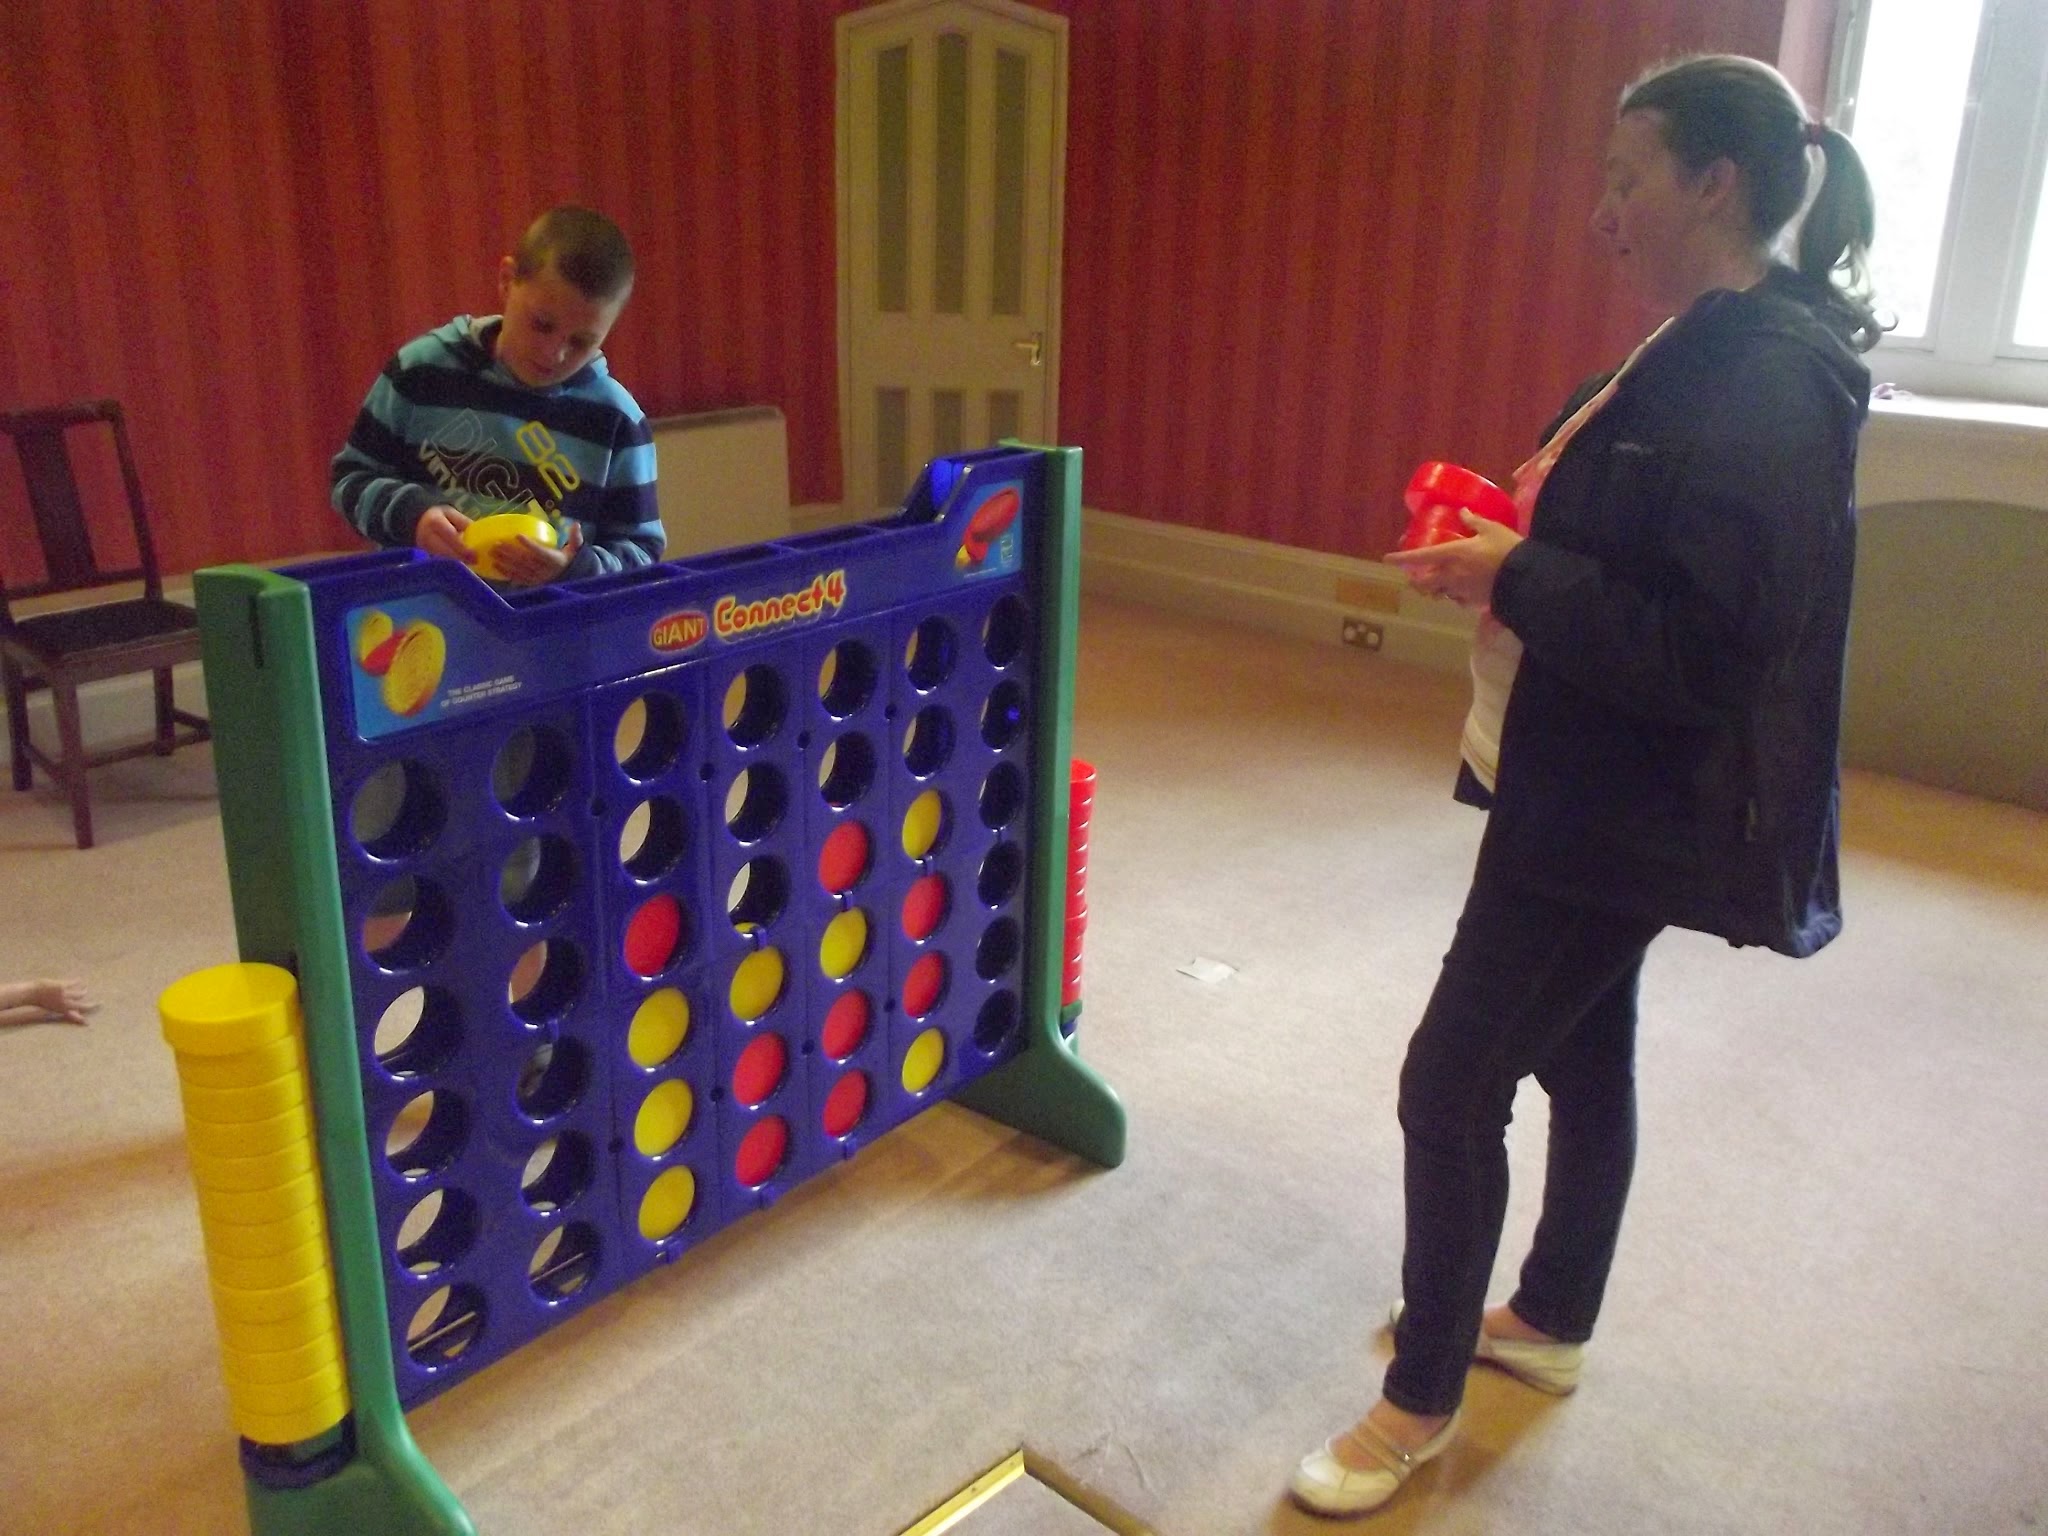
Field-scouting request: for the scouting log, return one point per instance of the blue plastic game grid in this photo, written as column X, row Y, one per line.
column 576, row 758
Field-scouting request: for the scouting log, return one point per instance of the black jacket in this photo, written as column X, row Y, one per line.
column 1671, row 745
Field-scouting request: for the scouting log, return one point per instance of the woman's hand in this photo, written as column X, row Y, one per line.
column 1463, row 569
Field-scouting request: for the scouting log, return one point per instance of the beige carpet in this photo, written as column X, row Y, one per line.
column 1835, row 1271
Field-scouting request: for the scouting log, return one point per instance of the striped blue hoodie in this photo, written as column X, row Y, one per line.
column 445, row 423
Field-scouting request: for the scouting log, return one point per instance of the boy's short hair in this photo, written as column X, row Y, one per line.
column 588, row 250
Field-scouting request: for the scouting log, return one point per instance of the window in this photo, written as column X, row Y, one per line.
column 1947, row 101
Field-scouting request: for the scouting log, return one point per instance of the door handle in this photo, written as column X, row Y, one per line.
column 1034, row 346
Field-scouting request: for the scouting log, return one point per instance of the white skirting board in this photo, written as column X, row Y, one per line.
column 1957, row 745
column 1274, row 587
column 722, row 478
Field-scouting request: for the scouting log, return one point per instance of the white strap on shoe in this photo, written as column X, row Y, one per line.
column 1376, row 1445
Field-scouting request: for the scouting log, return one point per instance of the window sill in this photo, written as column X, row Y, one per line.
column 1909, row 406
column 1937, row 448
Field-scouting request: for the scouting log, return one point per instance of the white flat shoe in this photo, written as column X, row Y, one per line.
column 1325, row 1486
column 1552, row 1368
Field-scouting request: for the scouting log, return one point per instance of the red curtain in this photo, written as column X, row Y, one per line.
column 1308, row 242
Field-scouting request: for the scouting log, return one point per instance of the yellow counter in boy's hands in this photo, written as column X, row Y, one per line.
column 487, row 535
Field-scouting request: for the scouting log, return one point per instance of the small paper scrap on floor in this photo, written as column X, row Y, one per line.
column 1210, row 971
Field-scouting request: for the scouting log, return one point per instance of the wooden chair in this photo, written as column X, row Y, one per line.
column 122, row 635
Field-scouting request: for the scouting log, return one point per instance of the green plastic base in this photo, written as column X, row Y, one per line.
column 1057, row 1097
column 359, row 1499
column 1048, row 1090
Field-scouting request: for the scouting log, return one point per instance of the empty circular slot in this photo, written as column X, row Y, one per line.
column 761, row 1152
column 563, row 1262
column 846, row 770
column 844, row 945
column 437, row 1231
column 557, row 1171
column 409, row 923
column 1002, row 714
column 418, row 1032
column 531, row 771
column 652, row 839
column 846, row 679
column 924, row 984
column 648, row 735
column 667, row 1204
column 924, row 907
column 996, row 1023
column 655, row 935
column 846, row 1025
column 924, row 825
column 755, row 702
column 928, row 743
column 1001, row 942
column 1003, row 631
column 1002, row 795
column 537, row 878
column 755, row 802
column 758, row 894
column 757, row 984
column 445, row 1325
column 426, row 1134
column 760, row 1070
column 658, row 1029
column 663, row 1118
column 928, row 658
column 397, row 811
column 545, row 980
column 552, row 1079
column 843, row 860
column 846, row 1105
column 1002, row 871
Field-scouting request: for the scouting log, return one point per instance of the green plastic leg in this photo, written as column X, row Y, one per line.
column 262, row 684
column 362, row 1497
column 1057, row 1097
column 1048, row 1090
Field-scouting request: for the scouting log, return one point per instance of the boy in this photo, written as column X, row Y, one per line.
column 485, row 415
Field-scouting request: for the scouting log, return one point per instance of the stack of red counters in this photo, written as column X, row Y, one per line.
column 1080, row 805
column 1439, row 492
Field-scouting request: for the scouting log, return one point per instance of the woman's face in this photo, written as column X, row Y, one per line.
column 1653, row 213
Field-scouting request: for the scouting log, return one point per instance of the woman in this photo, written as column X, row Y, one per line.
column 1668, row 645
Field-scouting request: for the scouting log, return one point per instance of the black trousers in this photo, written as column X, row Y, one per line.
column 1530, row 985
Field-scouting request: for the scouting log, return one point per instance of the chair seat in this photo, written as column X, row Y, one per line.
column 49, row 638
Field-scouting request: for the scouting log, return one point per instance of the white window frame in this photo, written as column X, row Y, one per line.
column 2001, row 162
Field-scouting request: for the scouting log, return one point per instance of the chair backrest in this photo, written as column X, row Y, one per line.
column 69, row 564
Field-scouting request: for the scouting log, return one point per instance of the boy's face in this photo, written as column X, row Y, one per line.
column 551, row 327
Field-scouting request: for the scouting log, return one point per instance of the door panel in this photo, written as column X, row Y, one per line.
column 951, row 116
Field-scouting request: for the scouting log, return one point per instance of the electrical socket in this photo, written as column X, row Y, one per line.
column 1362, row 634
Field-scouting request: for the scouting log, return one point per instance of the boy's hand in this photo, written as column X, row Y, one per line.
column 1462, row 570
column 439, row 532
column 527, row 563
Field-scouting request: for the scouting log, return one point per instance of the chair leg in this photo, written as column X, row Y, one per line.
column 166, row 726
column 71, row 744
column 17, row 722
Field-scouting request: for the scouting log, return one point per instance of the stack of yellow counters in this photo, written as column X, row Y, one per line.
column 241, row 1055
